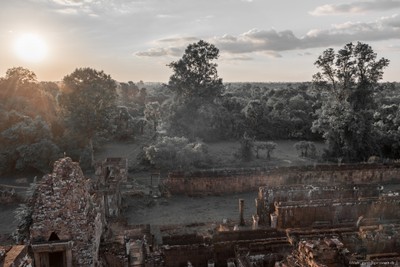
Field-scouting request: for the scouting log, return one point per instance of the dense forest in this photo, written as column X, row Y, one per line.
column 345, row 105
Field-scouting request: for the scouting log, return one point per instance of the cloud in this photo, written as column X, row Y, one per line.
column 96, row 8
column 272, row 42
column 161, row 52
column 232, row 57
column 355, row 7
column 179, row 40
column 69, row 2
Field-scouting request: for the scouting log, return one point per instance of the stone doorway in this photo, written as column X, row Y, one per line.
column 53, row 254
column 57, row 259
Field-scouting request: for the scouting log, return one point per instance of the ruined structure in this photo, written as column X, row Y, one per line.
column 309, row 205
column 315, row 217
column 111, row 173
column 15, row 256
column 67, row 219
column 212, row 182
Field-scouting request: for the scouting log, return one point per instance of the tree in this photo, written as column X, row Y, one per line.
column 194, row 74
column 270, row 146
column 348, row 79
column 246, row 147
column 306, row 149
column 196, row 86
column 88, row 101
column 19, row 83
column 152, row 112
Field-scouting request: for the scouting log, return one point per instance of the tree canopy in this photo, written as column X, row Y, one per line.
column 348, row 79
column 88, row 100
column 195, row 75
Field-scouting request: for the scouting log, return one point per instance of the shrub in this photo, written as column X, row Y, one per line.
column 176, row 152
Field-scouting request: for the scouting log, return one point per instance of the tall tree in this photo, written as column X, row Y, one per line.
column 195, row 75
column 88, row 101
column 348, row 79
column 196, row 85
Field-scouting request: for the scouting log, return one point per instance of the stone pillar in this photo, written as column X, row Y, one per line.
column 69, row 257
column 255, row 222
column 37, row 259
column 241, row 210
column 274, row 220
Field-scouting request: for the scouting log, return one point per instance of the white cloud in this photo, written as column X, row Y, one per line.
column 356, row 7
column 95, row 8
column 161, row 52
column 272, row 42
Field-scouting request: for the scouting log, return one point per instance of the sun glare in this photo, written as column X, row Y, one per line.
column 30, row 47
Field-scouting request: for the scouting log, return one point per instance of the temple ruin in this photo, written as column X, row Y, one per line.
column 316, row 216
column 67, row 220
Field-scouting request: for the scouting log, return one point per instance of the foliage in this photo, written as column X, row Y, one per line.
column 195, row 76
column 387, row 125
column 152, row 112
column 39, row 156
column 269, row 146
column 283, row 112
column 195, row 110
column 348, row 79
column 172, row 152
column 88, row 100
column 23, row 215
column 246, row 148
column 27, row 143
column 128, row 93
column 306, row 149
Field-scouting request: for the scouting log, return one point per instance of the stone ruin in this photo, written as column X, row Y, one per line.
column 312, row 205
column 71, row 212
column 67, row 218
column 326, row 224
column 111, row 173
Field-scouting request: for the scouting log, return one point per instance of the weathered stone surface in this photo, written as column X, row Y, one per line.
column 65, row 209
column 242, row 180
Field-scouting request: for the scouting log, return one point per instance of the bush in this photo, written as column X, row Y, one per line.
column 306, row 149
column 176, row 152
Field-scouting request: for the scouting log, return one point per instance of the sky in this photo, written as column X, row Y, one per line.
column 132, row 40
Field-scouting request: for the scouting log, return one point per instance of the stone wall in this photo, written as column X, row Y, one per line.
column 330, row 212
column 65, row 210
column 241, row 180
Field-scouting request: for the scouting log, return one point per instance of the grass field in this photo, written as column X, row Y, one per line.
column 221, row 153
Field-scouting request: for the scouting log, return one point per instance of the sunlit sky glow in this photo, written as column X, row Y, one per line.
column 259, row 40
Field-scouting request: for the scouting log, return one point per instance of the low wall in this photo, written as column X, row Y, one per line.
column 214, row 182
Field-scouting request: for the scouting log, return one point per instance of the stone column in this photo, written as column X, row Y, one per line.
column 241, row 210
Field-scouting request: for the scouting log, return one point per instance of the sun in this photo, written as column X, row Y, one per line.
column 31, row 47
